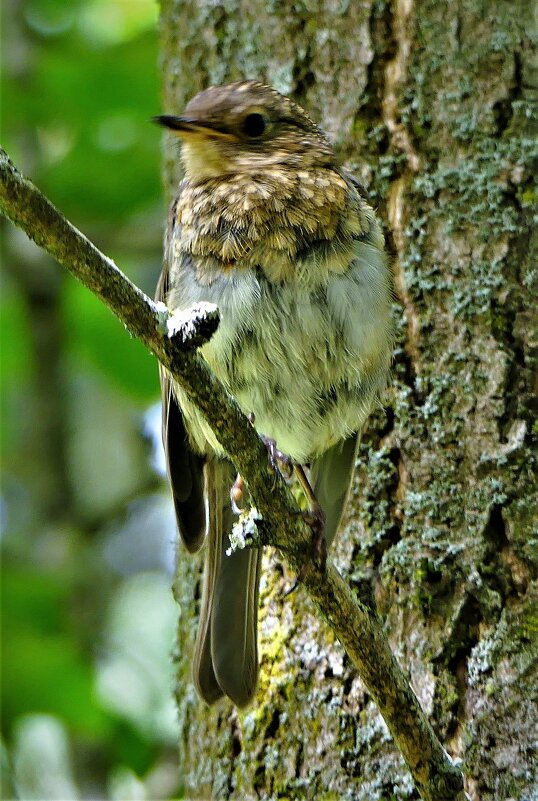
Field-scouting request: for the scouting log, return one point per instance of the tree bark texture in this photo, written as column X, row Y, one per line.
column 433, row 105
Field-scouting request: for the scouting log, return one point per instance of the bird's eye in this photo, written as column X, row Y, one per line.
column 254, row 125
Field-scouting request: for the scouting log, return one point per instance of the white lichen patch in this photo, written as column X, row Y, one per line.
column 163, row 313
column 245, row 531
column 186, row 320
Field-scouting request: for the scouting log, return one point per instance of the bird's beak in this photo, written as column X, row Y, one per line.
column 185, row 126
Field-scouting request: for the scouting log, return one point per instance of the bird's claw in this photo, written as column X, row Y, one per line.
column 236, row 494
column 315, row 516
column 316, row 520
column 280, row 461
column 291, row 589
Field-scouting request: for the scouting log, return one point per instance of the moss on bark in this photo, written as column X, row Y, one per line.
column 434, row 106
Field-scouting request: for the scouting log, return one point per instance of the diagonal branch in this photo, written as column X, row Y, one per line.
column 356, row 626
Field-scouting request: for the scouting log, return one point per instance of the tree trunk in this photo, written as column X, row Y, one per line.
column 431, row 105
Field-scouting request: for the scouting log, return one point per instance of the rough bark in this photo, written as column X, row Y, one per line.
column 434, row 106
column 174, row 340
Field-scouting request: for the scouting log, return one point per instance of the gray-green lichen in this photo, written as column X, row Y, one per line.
column 442, row 520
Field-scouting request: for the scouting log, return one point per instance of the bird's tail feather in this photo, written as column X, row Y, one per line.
column 226, row 651
column 331, row 475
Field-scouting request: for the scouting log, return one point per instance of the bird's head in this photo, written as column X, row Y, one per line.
column 246, row 127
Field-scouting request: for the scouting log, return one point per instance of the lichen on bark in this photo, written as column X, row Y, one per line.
column 434, row 107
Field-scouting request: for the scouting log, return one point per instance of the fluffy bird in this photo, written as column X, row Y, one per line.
column 267, row 226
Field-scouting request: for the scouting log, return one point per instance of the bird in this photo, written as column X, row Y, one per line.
column 269, row 227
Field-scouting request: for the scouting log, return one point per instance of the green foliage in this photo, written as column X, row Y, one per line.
column 16, row 351
column 98, row 339
column 84, row 100
column 36, row 635
column 15, row 361
column 80, row 85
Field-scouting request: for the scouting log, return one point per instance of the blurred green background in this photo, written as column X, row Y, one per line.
column 86, row 524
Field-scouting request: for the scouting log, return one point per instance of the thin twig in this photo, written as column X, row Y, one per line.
column 357, row 627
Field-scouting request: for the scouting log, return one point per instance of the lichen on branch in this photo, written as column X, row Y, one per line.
column 173, row 342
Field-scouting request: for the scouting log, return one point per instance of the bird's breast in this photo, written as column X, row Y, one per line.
column 309, row 361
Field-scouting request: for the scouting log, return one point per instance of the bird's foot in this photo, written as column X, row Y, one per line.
column 280, row 461
column 236, row 494
column 315, row 518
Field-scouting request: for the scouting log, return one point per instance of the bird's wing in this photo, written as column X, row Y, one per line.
column 226, row 651
column 185, row 467
column 331, row 475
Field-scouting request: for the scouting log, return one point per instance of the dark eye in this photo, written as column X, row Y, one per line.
column 254, row 125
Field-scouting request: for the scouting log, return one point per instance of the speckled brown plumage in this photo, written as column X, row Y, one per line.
column 268, row 226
